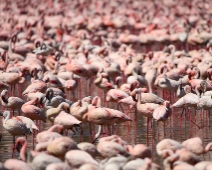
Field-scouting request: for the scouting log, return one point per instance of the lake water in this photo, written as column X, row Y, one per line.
column 133, row 132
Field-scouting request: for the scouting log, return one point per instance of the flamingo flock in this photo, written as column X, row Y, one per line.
column 76, row 63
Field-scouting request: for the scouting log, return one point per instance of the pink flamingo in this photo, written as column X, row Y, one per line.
column 163, row 112
column 167, row 146
column 16, row 164
column 195, row 145
column 53, row 112
column 109, row 149
column 139, row 151
column 30, row 125
column 189, row 100
column 14, row 56
column 15, row 103
column 60, row 146
column 14, row 126
column 67, row 120
column 104, row 116
column 47, row 135
column 58, row 165
column 89, row 148
column 36, row 85
column 76, row 158
column 4, row 62
column 33, row 112
column 21, row 146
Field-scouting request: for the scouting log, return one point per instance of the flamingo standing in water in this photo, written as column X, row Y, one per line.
column 30, row 125
column 144, row 108
column 15, row 103
column 205, row 103
column 33, row 112
column 53, row 112
column 49, row 134
column 189, row 100
column 104, row 116
column 14, row 126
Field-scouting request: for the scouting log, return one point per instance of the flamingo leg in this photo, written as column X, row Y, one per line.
column 73, row 94
column 13, row 147
column 90, row 129
column 193, row 123
column 81, row 133
column 164, row 129
column 19, row 90
column 33, row 140
column 119, row 104
column 209, row 117
column 109, row 130
column 14, row 89
column 147, row 129
column 11, row 90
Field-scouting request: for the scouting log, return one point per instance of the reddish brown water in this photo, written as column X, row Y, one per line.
column 133, row 132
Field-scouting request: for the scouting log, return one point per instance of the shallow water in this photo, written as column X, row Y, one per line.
column 133, row 132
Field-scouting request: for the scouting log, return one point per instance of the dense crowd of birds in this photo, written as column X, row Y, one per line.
column 126, row 49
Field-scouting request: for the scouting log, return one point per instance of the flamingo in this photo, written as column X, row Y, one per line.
column 58, row 165
column 195, row 145
column 49, row 134
column 53, row 112
column 16, row 164
column 75, row 158
column 30, row 125
column 66, row 120
column 36, row 85
column 167, row 146
column 33, row 112
column 41, row 161
column 163, row 112
column 21, row 146
column 54, row 101
column 14, row 126
column 109, row 149
column 89, row 148
column 60, row 146
column 139, row 151
column 146, row 97
column 15, row 103
column 205, row 102
column 104, row 116
column 189, row 100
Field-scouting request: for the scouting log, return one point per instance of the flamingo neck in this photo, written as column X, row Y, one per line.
column 23, row 151
column 54, row 127
column 99, row 79
column 99, row 132
column 96, row 101
column 208, row 147
column 7, row 117
column 32, row 102
column 4, row 99
column 61, row 105
column 5, row 60
column 50, row 95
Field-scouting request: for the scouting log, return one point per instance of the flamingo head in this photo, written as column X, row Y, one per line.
column 167, row 103
column 6, row 113
column 4, row 92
